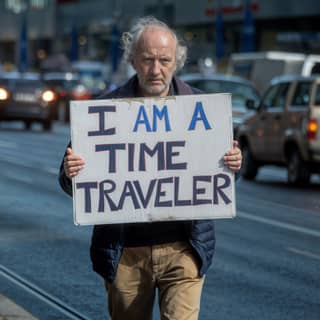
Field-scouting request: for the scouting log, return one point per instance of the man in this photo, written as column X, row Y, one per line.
column 135, row 259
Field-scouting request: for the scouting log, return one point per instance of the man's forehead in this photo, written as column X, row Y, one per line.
column 153, row 33
column 150, row 53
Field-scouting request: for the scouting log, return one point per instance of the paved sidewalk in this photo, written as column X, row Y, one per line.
column 10, row 311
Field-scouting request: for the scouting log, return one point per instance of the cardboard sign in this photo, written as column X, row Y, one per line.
column 152, row 159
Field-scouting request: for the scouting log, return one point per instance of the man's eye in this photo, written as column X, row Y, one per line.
column 165, row 61
column 148, row 60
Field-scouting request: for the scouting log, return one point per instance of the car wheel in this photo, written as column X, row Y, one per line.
column 249, row 168
column 298, row 172
column 47, row 125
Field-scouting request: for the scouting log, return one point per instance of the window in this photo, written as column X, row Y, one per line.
column 276, row 96
column 315, row 69
column 301, row 97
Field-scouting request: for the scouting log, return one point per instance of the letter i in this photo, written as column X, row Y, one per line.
column 131, row 157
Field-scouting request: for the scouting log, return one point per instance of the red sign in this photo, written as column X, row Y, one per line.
column 231, row 9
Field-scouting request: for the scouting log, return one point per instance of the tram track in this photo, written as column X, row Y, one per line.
column 52, row 301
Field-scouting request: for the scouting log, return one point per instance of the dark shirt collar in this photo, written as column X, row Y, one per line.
column 172, row 91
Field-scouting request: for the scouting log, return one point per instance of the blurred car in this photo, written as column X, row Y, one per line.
column 93, row 75
column 24, row 96
column 245, row 97
column 285, row 129
column 69, row 87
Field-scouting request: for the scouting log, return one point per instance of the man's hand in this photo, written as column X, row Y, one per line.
column 72, row 164
column 233, row 158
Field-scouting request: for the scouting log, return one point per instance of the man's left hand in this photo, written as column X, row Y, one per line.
column 233, row 158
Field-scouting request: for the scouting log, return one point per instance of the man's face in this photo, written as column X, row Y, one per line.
column 155, row 61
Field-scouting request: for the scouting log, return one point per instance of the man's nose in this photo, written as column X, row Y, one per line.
column 156, row 67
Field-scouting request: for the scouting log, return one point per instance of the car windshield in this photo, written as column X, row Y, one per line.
column 4, row 82
column 29, row 84
column 240, row 92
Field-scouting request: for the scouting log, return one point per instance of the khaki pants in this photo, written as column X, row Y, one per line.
column 171, row 268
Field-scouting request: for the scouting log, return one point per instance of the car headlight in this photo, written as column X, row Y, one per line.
column 48, row 96
column 4, row 94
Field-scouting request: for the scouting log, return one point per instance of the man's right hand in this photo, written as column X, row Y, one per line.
column 72, row 164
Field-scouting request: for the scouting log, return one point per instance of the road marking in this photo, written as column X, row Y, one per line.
column 275, row 223
column 304, row 253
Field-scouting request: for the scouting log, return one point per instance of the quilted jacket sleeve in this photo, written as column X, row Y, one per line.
column 64, row 181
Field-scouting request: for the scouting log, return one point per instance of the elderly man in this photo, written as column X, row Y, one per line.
column 136, row 259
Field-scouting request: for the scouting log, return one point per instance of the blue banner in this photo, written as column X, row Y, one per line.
column 74, row 48
column 248, row 30
column 23, row 48
column 220, row 51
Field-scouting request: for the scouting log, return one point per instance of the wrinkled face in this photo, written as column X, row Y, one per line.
column 155, row 61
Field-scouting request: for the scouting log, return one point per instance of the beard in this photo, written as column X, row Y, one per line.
column 153, row 91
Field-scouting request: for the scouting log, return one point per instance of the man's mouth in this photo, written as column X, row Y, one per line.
column 156, row 81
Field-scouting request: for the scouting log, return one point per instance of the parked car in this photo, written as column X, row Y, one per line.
column 285, row 129
column 245, row 97
column 26, row 97
column 69, row 87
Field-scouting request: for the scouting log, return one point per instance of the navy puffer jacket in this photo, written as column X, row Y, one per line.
column 107, row 240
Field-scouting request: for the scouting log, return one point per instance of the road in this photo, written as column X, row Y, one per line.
column 266, row 264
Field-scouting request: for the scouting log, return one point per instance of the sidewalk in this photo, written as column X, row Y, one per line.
column 10, row 311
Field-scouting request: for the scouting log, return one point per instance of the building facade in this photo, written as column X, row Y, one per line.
column 277, row 25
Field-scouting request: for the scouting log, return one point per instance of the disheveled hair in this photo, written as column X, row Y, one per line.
column 130, row 39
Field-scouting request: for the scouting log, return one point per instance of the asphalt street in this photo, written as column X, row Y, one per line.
column 266, row 264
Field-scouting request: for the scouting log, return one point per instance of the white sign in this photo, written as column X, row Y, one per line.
column 152, row 159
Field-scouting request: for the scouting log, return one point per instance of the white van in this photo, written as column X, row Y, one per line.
column 261, row 67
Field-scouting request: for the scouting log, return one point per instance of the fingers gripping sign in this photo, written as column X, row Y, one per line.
column 233, row 158
column 72, row 163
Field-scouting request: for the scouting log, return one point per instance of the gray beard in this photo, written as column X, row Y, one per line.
column 151, row 91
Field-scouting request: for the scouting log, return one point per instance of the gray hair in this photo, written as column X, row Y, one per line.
column 130, row 39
